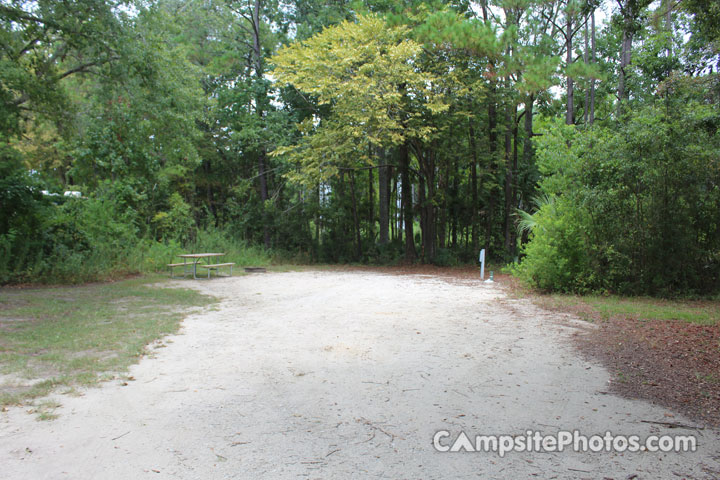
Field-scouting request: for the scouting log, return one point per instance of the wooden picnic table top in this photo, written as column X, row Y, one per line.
column 200, row 255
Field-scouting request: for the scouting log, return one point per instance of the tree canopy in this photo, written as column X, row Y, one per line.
column 576, row 140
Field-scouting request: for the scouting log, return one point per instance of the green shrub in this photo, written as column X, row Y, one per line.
column 84, row 239
column 556, row 258
column 445, row 257
column 634, row 207
column 216, row 240
column 176, row 223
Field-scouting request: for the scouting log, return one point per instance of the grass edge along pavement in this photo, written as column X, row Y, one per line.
column 663, row 351
column 60, row 339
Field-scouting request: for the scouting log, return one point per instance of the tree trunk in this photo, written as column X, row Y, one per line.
column 508, row 179
column 426, row 202
column 455, row 213
column 407, row 208
column 586, row 112
column 473, row 185
column 345, row 232
column 629, row 11
column 427, row 218
column 356, row 217
column 431, row 237
column 570, row 114
column 668, row 25
column 383, row 194
column 260, row 101
column 454, row 236
column 393, row 207
column 318, row 221
column 591, row 120
column 397, row 214
column 514, row 186
column 443, row 185
column 430, row 247
column 625, row 58
column 371, row 205
column 492, row 140
column 263, row 196
column 528, row 150
column 424, row 229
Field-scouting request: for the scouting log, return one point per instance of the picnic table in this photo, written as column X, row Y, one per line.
column 196, row 258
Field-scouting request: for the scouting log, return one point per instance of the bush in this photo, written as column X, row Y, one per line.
column 216, row 240
column 176, row 223
column 82, row 239
column 445, row 257
column 634, row 208
column 87, row 239
column 556, row 258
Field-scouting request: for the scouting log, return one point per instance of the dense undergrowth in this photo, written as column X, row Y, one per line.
column 79, row 240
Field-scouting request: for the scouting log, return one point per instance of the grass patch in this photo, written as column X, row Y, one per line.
column 68, row 337
column 640, row 308
column 46, row 410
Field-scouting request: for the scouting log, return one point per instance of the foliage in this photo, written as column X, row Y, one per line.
column 556, row 258
column 45, row 42
column 175, row 223
column 363, row 131
column 635, row 208
column 367, row 73
column 19, row 194
column 84, row 239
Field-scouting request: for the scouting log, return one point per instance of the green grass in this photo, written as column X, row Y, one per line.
column 52, row 338
column 152, row 256
column 643, row 308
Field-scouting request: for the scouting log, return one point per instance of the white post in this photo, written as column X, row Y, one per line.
column 481, row 259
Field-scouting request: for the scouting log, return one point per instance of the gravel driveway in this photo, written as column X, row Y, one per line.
column 323, row 374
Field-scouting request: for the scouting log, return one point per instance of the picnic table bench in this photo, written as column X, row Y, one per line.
column 216, row 267
column 185, row 266
column 196, row 258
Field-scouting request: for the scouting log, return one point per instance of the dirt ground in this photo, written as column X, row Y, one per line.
column 348, row 374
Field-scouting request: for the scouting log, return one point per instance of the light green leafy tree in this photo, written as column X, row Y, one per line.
column 369, row 75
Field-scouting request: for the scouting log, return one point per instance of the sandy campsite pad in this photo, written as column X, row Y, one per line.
column 348, row 375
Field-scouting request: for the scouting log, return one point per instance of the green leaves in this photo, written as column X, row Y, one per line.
column 370, row 76
column 635, row 207
column 45, row 42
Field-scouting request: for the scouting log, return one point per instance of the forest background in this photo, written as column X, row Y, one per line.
column 576, row 141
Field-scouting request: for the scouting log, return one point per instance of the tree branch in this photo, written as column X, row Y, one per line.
column 26, row 48
column 15, row 14
column 84, row 67
column 559, row 29
column 78, row 69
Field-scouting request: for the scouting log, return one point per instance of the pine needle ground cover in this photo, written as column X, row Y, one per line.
column 664, row 351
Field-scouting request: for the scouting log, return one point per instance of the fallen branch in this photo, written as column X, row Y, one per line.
column 674, row 425
column 365, row 441
column 367, row 422
column 120, row 436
